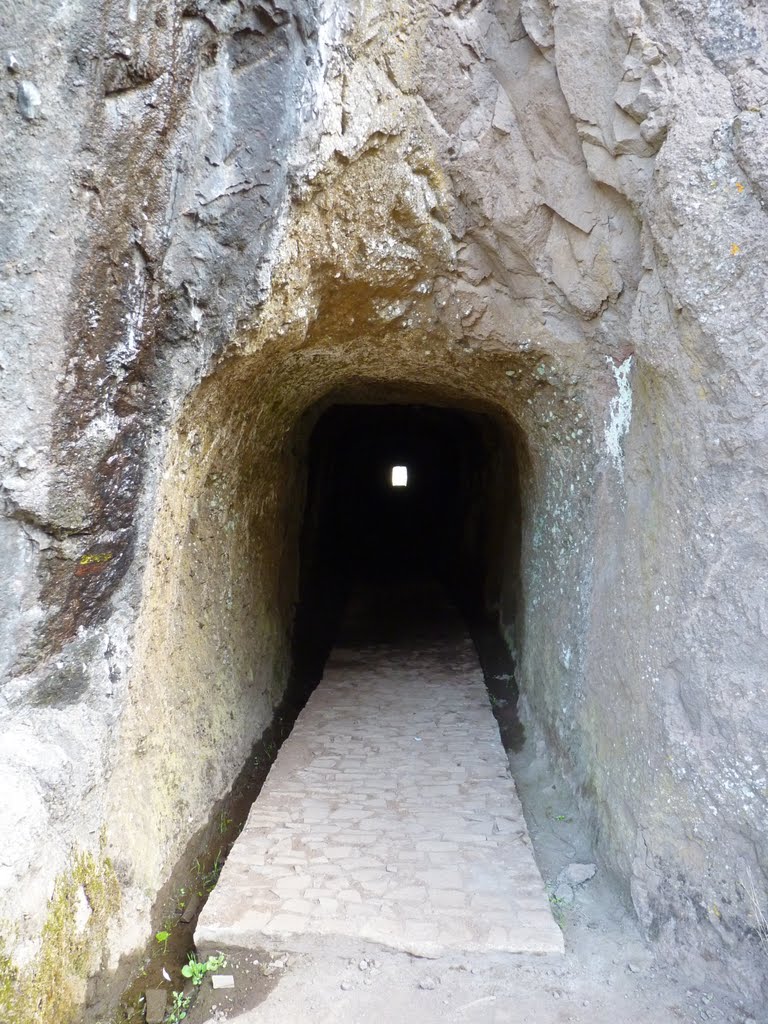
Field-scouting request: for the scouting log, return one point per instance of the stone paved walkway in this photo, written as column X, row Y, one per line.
column 389, row 816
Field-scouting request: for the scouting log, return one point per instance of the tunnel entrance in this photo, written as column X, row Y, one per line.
column 403, row 501
column 389, row 815
column 277, row 505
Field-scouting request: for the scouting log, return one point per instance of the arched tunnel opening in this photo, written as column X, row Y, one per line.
column 280, row 540
column 409, row 508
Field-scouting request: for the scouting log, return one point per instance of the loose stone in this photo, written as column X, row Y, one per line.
column 577, row 874
column 28, row 100
column 155, row 1000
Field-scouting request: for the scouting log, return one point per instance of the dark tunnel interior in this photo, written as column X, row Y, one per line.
column 453, row 526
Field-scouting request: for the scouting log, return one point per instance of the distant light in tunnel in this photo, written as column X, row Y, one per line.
column 399, row 476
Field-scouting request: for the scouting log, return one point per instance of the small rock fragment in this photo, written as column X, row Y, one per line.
column 427, row 983
column 155, row 1000
column 633, row 968
column 191, row 909
column 346, row 986
column 223, row 981
column 11, row 63
column 28, row 100
column 577, row 874
column 363, row 965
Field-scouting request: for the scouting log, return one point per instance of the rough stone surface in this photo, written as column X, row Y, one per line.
column 577, row 874
column 388, row 817
column 223, row 216
column 156, row 1001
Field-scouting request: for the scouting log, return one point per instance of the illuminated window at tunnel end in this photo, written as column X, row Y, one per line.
column 399, row 476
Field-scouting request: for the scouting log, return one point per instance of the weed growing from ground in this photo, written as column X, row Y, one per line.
column 196, row 969
column 559, row 907
column 179, row 1008
column 208, row 879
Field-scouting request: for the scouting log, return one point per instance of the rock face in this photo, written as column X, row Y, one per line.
column 219, row 218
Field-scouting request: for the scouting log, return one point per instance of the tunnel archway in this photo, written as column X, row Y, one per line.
column 221, row 635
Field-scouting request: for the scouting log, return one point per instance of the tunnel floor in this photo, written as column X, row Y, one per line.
column 389, row 815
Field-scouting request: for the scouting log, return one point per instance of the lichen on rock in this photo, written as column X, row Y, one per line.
column 51, row 988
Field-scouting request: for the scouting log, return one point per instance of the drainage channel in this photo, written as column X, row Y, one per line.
column 181, row 900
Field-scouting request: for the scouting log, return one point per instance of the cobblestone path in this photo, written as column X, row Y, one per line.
column 389, row 816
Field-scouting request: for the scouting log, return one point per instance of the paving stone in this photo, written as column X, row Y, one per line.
column 388, row 816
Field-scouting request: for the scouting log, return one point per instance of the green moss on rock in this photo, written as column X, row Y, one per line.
column 52, row 989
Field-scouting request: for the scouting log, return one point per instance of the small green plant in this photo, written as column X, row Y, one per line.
column 558, row 909
column 558, row 905
column 224, row 823
column 162, row 938
column 556, row 817
column 197, row 969
column 208, row 879
column 180, row 899
column 179, row 1007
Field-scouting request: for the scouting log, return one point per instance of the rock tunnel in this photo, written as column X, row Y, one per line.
column 296, row 249
column 277, row 505
column 366, row 351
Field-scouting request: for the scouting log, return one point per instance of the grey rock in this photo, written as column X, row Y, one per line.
column 28, row 100
column 563, row 893
column 155, row 1002
column 190, row 908
column 538, row 21
column 428, row 983
column 222, row 981
column 577, row 874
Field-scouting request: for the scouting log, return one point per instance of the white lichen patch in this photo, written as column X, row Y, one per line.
column 619, row 413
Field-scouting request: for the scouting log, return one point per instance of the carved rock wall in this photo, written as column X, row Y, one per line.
column 221, row 217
